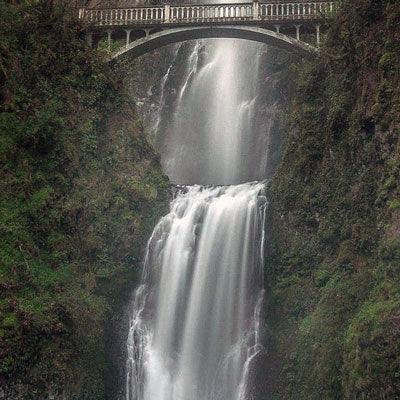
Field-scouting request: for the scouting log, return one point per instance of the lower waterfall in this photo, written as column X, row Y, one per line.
column 195, row 324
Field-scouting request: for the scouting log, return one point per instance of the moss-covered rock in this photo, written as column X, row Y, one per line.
column 333, row 265
column 80, row 191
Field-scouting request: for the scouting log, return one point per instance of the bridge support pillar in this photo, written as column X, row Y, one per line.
column 318, row 29
column 277, row 27
column 256, row 12
column 109, row 33
column 298, row 31
column 147, row 32
column 89, row 39
column 167, row 12
column 128, row 36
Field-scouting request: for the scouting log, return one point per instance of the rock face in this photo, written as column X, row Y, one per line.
column 81, row 188
column 333, row 266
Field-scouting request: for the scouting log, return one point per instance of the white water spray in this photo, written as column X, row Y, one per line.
column 195, row 325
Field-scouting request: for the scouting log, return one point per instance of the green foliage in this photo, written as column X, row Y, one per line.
column 80, row 189
column 10, row 321
column 334, row 256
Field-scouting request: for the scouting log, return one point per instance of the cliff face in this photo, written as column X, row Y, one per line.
column 80, row 191
column 334, row 255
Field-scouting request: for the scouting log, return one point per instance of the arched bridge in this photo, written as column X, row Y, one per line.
column 277, row 23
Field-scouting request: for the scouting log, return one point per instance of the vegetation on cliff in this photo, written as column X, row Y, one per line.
column 334, row 256
column 80, row 189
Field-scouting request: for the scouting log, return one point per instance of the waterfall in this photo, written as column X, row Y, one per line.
column 211, row 136
column 196, row 318
column 195, row 325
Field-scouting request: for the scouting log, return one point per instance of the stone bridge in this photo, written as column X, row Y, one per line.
column 278, row 23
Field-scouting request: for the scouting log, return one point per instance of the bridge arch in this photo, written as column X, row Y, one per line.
column 154, row 41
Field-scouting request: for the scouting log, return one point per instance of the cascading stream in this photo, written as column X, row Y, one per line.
column 196, row 317
column 195, row 325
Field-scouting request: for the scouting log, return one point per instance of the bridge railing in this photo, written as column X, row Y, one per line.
column 295, row 10
column 212, row 13
column 187, row 14
column 126, row 16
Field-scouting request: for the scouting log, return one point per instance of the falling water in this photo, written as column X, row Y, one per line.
column 211, row 138
column 196, row 318
column 195, row 324
column 162, row 101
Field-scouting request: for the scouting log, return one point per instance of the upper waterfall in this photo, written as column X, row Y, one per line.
column 209, row 135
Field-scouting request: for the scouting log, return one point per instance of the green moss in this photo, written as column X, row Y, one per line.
column 10, row 321
column 394, row 205
column 80, row 190
column 387, row 60
column 333, row 262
